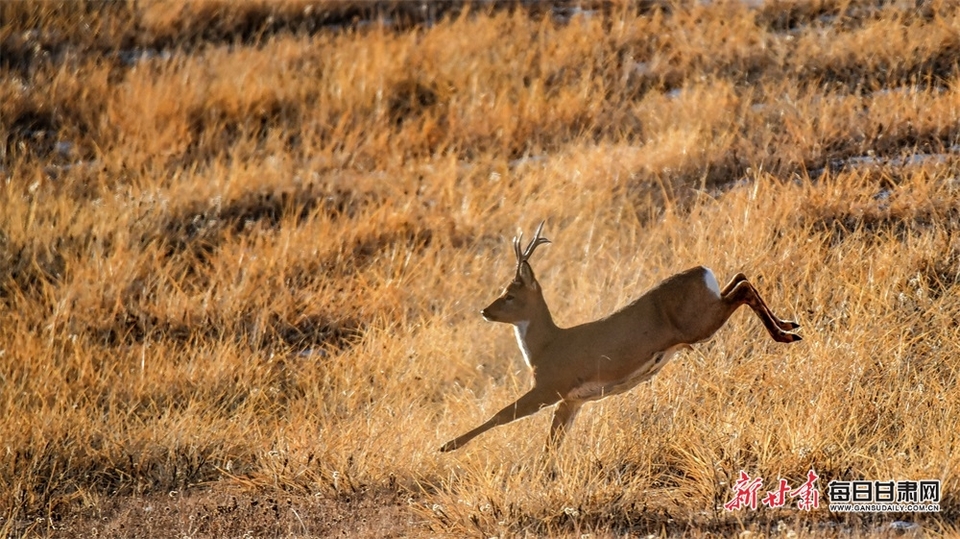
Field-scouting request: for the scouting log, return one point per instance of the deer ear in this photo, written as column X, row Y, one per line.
column 525, row 273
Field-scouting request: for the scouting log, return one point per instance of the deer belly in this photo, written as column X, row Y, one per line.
column 594, row 390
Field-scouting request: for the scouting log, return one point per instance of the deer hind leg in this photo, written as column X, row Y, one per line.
column 785, row 325
column 737, row 279
column 530, row 403
column 563, row 418
column 743, row 293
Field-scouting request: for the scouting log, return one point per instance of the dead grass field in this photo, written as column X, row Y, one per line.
column 243, row 249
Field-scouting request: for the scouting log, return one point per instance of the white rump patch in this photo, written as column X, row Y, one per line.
column 520, row 329
column 711, row 281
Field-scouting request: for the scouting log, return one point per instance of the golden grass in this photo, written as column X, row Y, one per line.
column 254, row 254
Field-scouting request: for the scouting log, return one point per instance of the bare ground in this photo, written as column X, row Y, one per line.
column 220, row 510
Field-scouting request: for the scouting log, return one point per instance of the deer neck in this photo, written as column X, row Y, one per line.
column 534, row 334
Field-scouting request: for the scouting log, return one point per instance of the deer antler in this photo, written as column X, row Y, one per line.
column 524, row 256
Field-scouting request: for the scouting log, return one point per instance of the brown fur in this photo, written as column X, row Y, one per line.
column 611, row 355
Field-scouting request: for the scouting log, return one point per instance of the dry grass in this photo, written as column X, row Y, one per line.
column 244, row 249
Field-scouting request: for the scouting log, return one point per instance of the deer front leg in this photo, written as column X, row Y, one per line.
column 563, row 418
column 530, row 403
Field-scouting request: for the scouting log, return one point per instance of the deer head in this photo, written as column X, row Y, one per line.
column 522, row 299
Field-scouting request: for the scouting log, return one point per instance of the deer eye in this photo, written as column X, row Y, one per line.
column 508, row 297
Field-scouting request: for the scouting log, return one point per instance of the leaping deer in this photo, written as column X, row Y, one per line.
column 591, row 361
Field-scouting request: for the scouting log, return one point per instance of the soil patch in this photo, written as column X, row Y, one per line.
column 227, row 511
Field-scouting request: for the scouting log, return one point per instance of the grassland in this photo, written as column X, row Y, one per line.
column 243, row 247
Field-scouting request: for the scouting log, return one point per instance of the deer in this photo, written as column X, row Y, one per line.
column 588, row 362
